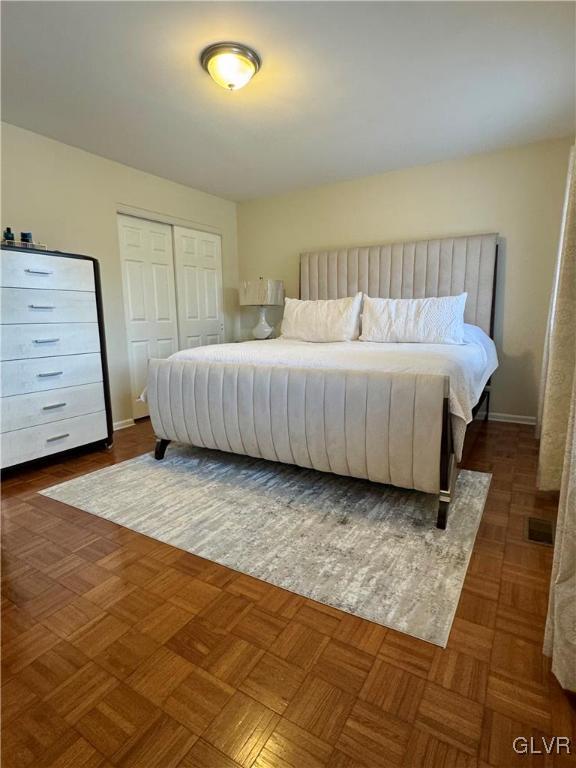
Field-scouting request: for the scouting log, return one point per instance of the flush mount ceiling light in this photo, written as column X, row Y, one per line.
column 231, row 65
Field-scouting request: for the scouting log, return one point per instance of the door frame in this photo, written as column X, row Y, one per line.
column 166, row 218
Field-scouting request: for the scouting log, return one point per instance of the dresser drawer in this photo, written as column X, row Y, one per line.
column 24, row 305
column 43, row 373
column 33, row 409
column 22, row 341
column 35, row 442
column 38, row 270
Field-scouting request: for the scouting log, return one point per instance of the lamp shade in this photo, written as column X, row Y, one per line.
column 262, row 293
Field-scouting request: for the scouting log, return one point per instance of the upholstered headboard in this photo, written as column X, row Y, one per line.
column 410, row 270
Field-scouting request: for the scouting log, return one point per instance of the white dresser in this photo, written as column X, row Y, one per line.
column 54, row 378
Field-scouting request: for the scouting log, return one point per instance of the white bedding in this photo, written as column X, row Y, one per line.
column 469, row 365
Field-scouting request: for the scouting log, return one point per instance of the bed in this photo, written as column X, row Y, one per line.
column 389, row 413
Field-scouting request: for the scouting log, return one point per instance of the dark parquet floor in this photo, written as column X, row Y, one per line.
column 118, row 650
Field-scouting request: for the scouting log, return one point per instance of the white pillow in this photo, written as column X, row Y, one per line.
column 322, row 320
column 428, row 321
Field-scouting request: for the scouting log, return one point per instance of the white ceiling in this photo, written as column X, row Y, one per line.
column 346, row 89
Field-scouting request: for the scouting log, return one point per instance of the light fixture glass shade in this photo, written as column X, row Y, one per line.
column 231, row 65
column 262, row 293
column 231, row 70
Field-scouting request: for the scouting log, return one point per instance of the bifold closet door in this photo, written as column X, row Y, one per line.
column 149, row 298
column 198, row 264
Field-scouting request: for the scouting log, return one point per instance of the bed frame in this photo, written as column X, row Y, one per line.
column 415, row 269
column 411, row 270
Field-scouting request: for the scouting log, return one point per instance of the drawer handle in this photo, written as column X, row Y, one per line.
column 54, row 405
column 38, row 271
column 58, row 437
column 41, row 306
column 51, row 373
column 45, row 341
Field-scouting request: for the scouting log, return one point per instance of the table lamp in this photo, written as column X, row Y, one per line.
column 262, row 293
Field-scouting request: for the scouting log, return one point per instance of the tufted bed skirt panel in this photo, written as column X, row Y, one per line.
column 383, row 427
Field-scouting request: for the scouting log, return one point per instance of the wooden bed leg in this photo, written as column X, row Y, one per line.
column 160, row 448
column 442, row 515
column 487, row 414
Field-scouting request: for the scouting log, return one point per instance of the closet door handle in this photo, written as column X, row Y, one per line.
column 54, row 405
column 38, row 271
column 51, row 373
column 57, row 437
column 45, row 341
column 41, row 306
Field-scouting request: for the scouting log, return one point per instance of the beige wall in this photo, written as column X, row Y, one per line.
column 517, row 192
column 69, row 199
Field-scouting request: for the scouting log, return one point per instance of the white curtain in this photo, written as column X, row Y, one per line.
column 557, row 459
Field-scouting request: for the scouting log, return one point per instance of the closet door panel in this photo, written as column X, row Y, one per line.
column 136, row 292
column 211, row 297
column 149, row 298
column 189, row 294
column 198, row 263
column 139, row 353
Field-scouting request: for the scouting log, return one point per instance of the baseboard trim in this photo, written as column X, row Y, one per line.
column 123, row 424
column 512, row 418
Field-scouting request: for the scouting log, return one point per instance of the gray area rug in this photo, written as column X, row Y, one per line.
column 368, row 549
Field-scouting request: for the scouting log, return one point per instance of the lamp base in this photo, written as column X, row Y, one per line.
column 262, row 329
